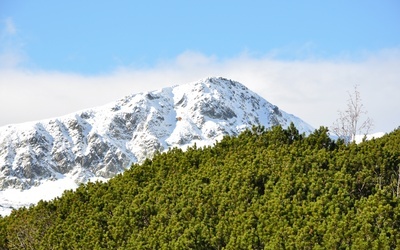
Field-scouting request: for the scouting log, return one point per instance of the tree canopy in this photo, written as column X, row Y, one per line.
column 263, row 189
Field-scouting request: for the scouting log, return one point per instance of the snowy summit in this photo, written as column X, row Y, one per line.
column 104, row 141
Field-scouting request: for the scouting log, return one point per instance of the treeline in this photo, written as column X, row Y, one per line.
column 264, row 189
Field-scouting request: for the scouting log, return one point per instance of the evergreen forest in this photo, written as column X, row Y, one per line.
column 263, row 189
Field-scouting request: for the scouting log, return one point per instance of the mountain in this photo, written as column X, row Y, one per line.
column 104, row 141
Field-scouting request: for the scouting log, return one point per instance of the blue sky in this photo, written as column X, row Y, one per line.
column 311, row 53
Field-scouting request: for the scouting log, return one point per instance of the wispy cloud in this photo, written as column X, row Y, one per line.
column 10, row 26
column 11, row 48
column 314, row 89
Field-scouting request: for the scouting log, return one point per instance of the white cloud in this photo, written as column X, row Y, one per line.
column 314, row 90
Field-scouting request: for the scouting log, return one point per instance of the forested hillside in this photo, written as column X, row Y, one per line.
column 264, row 189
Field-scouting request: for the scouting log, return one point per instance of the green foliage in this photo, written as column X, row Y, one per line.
column 264, row 189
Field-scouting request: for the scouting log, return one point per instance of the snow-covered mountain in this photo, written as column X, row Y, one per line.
column 103, row 141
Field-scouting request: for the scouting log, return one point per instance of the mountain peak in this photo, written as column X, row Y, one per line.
column 104, row 141
column 219, row 83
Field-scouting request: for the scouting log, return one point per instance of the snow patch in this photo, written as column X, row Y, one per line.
column 360, row 138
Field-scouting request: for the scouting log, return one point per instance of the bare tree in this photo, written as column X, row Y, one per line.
column 349, row 122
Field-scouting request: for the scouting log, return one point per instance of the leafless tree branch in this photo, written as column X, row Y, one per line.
column 349, row 123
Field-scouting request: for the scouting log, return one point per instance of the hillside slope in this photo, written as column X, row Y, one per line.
column 263, row 189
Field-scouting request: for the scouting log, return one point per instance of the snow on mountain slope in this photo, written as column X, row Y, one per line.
column 103, row 141
column 360, row 138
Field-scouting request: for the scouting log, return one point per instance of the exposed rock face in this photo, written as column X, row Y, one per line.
column 106, row 140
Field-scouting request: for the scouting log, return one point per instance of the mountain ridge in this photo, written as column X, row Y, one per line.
column 103, row 141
